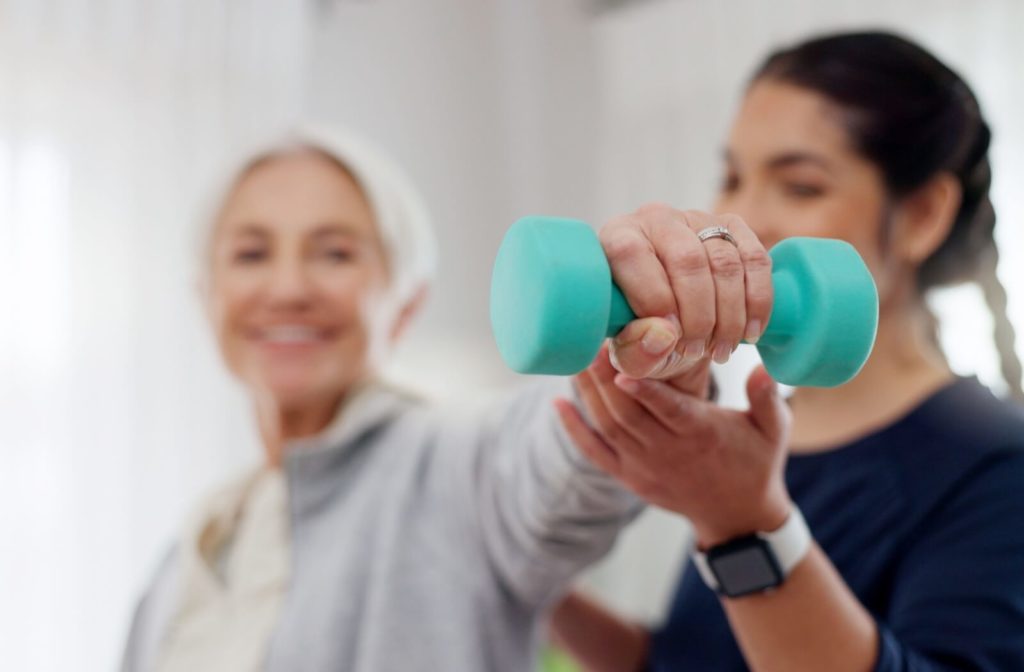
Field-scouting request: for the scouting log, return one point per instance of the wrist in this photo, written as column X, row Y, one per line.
column 755, row 562
column 767, row 517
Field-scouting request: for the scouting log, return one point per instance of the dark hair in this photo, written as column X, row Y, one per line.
column 914, row 117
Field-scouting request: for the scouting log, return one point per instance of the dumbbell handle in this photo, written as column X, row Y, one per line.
column 787, row 307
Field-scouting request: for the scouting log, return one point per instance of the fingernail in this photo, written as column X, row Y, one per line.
column 613, row 359
column 657, row 340
column 693, row 351
column 753, row 331
column 627, row 384
column 721, row 353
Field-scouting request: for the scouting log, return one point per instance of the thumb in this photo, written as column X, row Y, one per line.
column 642, row 348
column 767, row 408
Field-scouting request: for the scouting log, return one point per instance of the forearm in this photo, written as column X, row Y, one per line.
column 543, row 510
column 812, row 622
column 596, row 638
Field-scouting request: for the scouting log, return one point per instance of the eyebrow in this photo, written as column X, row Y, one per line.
column 787, row 159
column 321, row 231
column 250, row 230
column 337, row 228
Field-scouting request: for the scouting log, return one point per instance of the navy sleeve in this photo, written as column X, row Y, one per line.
column 958, row 594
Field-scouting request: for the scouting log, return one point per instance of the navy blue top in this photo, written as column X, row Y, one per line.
column 925, row 522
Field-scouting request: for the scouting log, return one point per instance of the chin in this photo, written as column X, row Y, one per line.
column 290, row 390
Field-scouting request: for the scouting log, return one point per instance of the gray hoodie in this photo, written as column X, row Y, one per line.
column 422, row 542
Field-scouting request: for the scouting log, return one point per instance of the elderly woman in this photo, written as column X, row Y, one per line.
column 375, row 536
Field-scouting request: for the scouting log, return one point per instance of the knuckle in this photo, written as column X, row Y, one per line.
column 620, row 243
column 756, row 259
column 725, row 262
column 687, row 261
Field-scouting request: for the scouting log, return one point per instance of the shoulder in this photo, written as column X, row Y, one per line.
column 956, row 430
column 968, row 414
column 962, row 440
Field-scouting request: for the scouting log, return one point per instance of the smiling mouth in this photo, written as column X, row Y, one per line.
column 291, row 335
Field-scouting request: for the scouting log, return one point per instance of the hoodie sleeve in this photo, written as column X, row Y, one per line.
column 543, row 512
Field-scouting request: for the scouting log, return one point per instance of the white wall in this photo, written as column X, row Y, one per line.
column 491, row 107
column 114, row 413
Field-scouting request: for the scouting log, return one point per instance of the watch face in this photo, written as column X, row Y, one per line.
column 745, row 566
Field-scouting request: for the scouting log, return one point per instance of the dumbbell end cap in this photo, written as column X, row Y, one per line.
column 833, row 339
column 550, row 296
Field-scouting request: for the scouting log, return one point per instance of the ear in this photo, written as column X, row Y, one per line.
column 925, row 217
column 409, row 311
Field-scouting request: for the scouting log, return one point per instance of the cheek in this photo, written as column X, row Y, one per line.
column 358, row 301
column 862, row 223
column 232, row 299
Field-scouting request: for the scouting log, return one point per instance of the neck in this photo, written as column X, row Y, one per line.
column 904, row 368
column 280, row 423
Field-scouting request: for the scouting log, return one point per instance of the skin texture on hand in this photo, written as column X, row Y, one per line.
column 720, row 468
column 693, row 299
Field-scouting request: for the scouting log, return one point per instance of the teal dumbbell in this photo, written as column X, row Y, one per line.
column 553, row 303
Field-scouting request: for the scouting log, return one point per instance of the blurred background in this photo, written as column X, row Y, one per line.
column 116, row 117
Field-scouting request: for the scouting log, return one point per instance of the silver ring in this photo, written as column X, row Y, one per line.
column 707, row 234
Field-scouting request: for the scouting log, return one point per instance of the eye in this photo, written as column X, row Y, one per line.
column 249, row 256
column 803, row 190
column 339, row 255
column 730, row 183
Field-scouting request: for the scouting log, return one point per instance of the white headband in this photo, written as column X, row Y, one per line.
column 402, row 217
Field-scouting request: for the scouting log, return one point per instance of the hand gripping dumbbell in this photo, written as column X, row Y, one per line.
column 553, row 303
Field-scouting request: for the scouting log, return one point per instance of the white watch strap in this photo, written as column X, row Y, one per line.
column 789, row 543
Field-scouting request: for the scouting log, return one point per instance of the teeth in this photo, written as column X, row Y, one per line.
column 290, row 333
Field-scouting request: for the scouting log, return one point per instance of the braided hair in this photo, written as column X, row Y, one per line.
column 914, row 117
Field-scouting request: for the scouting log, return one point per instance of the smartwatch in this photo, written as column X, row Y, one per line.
column 757, row 562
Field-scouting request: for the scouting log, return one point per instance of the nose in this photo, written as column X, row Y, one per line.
column 289, row 285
